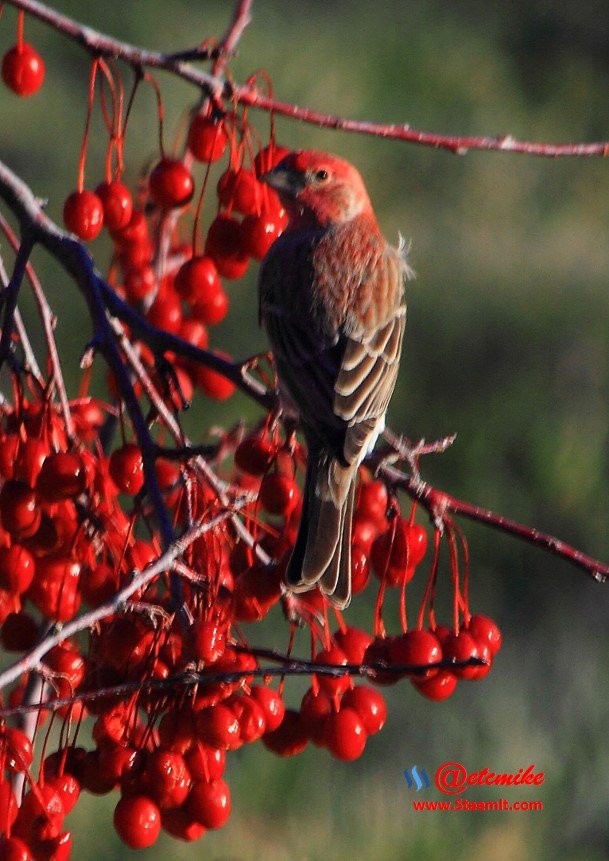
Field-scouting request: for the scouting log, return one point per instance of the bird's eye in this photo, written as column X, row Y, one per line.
column 321, row 175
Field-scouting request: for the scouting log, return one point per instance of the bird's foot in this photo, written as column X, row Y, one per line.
column 411, row 452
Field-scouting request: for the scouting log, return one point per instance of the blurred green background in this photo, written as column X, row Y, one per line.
column 507, row 345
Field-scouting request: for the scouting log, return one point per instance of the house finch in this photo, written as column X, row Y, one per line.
column 332, row 301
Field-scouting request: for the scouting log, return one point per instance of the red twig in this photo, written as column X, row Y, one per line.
column 101, row 44
column 438, row 502
column 241, row 18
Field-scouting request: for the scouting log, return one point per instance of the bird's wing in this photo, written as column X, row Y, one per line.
column 307, row 353
column 371, row 356
column 340, row 372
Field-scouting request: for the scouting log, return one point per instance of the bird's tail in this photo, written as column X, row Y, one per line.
column 322, row 553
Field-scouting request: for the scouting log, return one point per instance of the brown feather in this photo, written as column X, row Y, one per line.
column 332, row 301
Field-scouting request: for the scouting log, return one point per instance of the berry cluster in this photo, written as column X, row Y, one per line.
column 150, row 644
column 171, row 693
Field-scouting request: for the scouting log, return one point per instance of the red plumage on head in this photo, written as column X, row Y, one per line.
column 322, row 188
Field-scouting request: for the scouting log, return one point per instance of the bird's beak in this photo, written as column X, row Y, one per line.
column 284, row 181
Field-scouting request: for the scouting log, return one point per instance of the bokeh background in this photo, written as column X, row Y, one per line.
column 507, row 345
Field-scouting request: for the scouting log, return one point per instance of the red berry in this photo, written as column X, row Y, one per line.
column 254, row 455
column 378, row 652
column 67, row 787
column 117, row 761
column 438, row 687
column 207, row 138
column 224, row 246
column 460, row 647
column 69, row 666
column 16, row 749
column 177, row 730
column 212, row 312
column 180, row 824
column 360, row 570
column 314, row 710
column 140, row 282
column 328, row 683
column 194, row 332
column 127, row 468
column 166, row 312
column 137, row 820
column 345, row 734
column 240, row 190
column 19, row 632
column 268, row 157
column 208, row 641
column 32, row 454
column 416, row 648
column 8, row 804
column 213, row 383
column 167, row 779
column 353, row 642
column 197, row 281
column 252, row 722
column 279, row 494
column 171, row 184
column 44, row 802
column 88, row 415
column 136, row 231
column 19, row 509
column 14, row 849
column 290, row 738
column 9, row 447
column 256, row 590
column 63, row 476
column 258, row 232
column 370, row 706
column 363, row 534
column 23, row 69
column 117, row 203
column 16, row 568
column 204, row 762
column 397, row 552
column 209, row 803
column 485, row 629
column 218, row 727
column 272, row 705
column 54, row 590
column 484, row 653
column 83, row 214
column 372, row 501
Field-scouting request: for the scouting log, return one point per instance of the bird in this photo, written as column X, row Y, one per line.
column 331, row 298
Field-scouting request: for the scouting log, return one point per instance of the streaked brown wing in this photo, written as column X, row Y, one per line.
column 371, row 359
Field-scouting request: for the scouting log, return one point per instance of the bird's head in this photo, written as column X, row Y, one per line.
column 318, row 188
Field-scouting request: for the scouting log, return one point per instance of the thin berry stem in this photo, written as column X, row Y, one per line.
column 80, row 183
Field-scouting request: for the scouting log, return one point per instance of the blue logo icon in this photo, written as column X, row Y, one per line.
column 413, row 778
